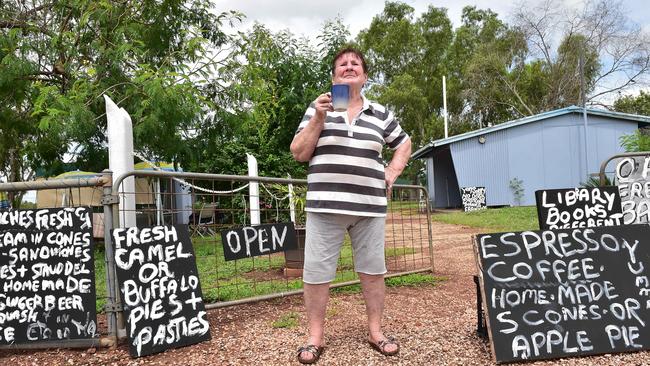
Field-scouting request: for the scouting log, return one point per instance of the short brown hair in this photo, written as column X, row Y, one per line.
column 349, row 49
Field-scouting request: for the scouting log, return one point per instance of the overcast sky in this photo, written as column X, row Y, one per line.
column 305, row 17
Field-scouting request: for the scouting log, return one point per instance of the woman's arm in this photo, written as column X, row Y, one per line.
column 398, row 163
column 304, row 143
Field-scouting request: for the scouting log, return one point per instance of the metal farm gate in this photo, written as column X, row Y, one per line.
column 208, row 204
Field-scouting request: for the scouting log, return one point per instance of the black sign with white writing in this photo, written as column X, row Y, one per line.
column 578, row 207
column 473, row 198
column 632, row 175
column 253, row 241
column 566, row 292
column 161, row 293
column 47, row 275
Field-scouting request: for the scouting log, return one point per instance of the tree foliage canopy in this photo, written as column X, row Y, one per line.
column 639, row 104
column 59, row 57
column 549, row 57
column 272, row 79
column 202, row 97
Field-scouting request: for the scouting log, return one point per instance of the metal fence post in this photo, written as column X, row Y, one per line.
column 429, row 228
column 603, row 165
column 113, row 305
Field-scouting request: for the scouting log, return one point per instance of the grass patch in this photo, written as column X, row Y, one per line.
column 288, row 320
column 398, row 206
column 100, row 278
column 223, row 280
column 241, row 287
column 332, row 308
column 351, row 289
column 414, row 280
column 405, row 208
column 519, row 218
column 394, row 252
column 209, row 258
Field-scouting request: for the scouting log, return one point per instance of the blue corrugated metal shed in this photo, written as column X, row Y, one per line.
column 544, row 151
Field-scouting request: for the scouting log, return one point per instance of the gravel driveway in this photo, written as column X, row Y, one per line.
column 435, row 324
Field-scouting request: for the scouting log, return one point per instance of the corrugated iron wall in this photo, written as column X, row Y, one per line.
column 484, row 165
column 547, row 154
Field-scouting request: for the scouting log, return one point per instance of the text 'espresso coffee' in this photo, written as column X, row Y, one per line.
column 567, row 292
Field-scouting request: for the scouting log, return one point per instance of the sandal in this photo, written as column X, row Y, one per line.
column 314, row 350
column 381, row 346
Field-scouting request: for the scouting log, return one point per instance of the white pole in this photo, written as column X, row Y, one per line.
column 583, row 95
column 119, row 131
column 253, row 190
column 292, row 203
column 159, row 208
column 444, row 104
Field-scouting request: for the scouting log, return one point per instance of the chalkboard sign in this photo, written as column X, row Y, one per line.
column 633, row 180
column 47, row 275
column 578, row 207
column 569, row 292
column 473, row 198
column 161, row 293
column 253, row 241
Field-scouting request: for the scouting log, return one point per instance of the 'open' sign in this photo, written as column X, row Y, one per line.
column 253, row 241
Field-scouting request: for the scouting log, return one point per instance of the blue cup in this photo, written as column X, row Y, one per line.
column 340, row 97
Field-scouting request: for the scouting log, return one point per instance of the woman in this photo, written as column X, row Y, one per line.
column 347, row 190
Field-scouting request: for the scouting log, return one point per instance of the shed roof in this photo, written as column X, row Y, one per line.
column 530, row 119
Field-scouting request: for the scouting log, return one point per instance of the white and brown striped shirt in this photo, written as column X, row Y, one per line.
column 346, row 171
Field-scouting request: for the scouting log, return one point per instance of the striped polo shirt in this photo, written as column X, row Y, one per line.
column 346, row 171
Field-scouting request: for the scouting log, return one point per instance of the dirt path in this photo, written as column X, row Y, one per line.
column 435, row 324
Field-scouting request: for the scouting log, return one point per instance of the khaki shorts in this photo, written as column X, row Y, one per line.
column 324, row 238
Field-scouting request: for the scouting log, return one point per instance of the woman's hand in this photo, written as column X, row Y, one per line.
column 304, row 143
column 323, row 104
column 397, row 165
column 390, row 176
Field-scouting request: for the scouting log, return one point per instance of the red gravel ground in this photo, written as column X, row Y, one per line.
column 435, row 324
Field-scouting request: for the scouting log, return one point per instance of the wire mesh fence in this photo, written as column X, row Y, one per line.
column 210, row 204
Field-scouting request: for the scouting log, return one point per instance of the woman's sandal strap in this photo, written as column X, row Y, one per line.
column 380, row 346
column 314, row 350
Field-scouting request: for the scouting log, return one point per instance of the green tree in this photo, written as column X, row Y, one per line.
column 501, row 85
column 273, row 77
column 406, row 57
column 483, row 61
column 409, row 57
column 637, row 141
column 546, row 59
column 639, row 104
column 58, row 58
column 613, row 51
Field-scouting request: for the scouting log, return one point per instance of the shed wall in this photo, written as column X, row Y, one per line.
column 482, row 165
column 545, row 154
column 443, row 184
